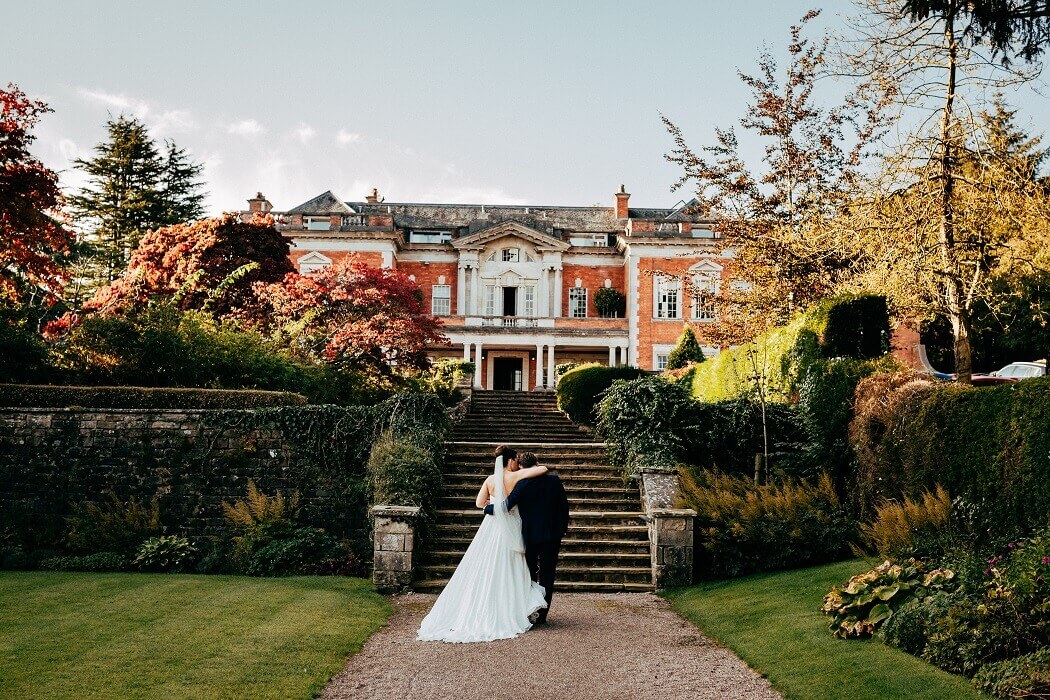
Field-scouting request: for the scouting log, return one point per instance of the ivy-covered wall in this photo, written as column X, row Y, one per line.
column 192, row 461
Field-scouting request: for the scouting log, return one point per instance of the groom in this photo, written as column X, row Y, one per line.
column 544, row 510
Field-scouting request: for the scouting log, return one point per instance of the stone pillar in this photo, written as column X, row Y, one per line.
column 477, row 366
column 466, row 351
column 557, row 293
column 612, row 355
column 539, row 366
column 671, row 546
column 472, row 297
column 544, row 293
column 395, row 535
column 550, row 366
column 461, row 292
column 624, row 360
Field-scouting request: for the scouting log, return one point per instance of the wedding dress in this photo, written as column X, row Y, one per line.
column 491, row 594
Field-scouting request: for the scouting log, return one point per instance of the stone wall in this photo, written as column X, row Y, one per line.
column 670, row 529
column 191, row 461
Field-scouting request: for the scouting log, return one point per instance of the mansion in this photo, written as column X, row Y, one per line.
column 518, row 288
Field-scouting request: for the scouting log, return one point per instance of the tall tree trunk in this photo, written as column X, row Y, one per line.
column 954, row 293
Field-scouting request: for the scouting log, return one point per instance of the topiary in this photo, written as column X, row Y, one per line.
column 580, row 389
column 610, row 302
column 686, row 351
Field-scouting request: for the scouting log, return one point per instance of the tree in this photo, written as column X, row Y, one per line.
column 30, row 236
column 686, row 350
column 779, row 217
column 940, row 57
column 210, row 264
column 133, row 189
column 353, row 315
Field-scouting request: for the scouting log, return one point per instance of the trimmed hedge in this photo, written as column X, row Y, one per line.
column 47, row 396
column 850, row 325
column 989, row 445
column 580, row 389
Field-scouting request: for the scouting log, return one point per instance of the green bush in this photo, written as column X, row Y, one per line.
column 403, row 474
column 112, row 526
column 170, row 553
column 98, row 562
column 1025, row 676
column 609, row 302
column 40, row 396
column 989, row 445
column 741, row 527
column 25, row 356
column 901, row 529
column 686, row 351
column 302, row 551
column 580, row 389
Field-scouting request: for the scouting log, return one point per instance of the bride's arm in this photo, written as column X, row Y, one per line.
column 528, row 473
column 484, row 494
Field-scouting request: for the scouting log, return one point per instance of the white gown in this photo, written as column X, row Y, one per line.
column 490, row 595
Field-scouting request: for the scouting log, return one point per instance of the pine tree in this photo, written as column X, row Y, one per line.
column 182, row 195
column 687, row 350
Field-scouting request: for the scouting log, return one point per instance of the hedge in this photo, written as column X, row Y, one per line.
column 580, row 389
column 988, row 445
column 131, row 397
column 850, row 325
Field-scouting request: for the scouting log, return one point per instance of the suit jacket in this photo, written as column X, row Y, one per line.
column 543, row 506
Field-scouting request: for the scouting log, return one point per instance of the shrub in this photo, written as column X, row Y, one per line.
column 39, row 396
column 733, row 435
column 868, row 600
column 170, row 553
column 402, row 474
column 304, row 550
column 687, row 350
column 580, row 389
column 112, row 526
column 98, row 562
column 609, row 302
column 1025, row 676
column 257, row 520
column 988, row 445
column 899, row 527
column 25, row 356
column 741, row 527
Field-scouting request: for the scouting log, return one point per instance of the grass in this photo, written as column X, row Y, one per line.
column 774, row 623
column 65, row 635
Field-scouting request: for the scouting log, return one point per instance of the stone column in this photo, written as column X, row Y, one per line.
column 472, row 300
column 395, row 534
column 543, row 291
column 550, row 366
column 612, row 355
column 477, row 366
column 539, row 366
column 624, row 360
column 461, row 292
column 557, row 293
column 466, row 351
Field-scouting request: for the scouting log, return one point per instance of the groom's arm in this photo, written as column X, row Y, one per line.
column 513, row 498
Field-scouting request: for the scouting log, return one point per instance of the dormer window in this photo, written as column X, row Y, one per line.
column 511, row 254
column 317, row 223
column 431, row 237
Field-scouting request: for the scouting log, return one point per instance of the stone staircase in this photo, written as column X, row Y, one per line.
column 607, row 546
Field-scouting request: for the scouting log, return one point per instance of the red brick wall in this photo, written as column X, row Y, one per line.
column 369, row 258
column 593, row 279
column 653, row 331
column 427, row 277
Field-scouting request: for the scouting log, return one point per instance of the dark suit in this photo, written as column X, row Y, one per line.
column 544, row 510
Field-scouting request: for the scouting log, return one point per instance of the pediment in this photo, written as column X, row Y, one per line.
column 324, row 203
column 479, row 239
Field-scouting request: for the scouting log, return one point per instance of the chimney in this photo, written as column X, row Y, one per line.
column 621, row 203
column 259, row 204
column 373, row 197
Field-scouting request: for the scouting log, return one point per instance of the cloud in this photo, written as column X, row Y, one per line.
column 305, row 133
column 121, row 102
column 245, row 127
column 160, row 121
column 345, row 137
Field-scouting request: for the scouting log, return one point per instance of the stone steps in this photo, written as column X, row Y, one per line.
column 436, row 584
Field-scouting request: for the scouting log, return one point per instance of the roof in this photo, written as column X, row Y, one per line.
column 326, row 203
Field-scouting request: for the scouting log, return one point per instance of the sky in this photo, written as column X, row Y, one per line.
column 544, row 103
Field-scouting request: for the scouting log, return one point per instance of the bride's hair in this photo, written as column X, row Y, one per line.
column 526, row 460
column 507, row 453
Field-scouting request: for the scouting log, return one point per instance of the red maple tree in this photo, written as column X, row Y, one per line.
column 30, row 236
column 352, row 314
column 195, row 261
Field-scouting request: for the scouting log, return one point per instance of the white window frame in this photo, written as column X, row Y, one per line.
column 317, row 223
column 511, row 255
column 490, row 300
column 441, row 236
column 667, row 297
column 705, row 288
column 660, row 355
column 576, row 296
column 441, row 305
column 312, row 262
column 528, row 301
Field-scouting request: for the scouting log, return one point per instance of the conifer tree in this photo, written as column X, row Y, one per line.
column 182, row 194
column 687, row 350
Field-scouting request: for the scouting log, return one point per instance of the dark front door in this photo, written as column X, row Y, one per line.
column 510, row 301
column 506, row 374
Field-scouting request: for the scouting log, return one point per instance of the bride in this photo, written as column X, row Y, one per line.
column 491, row 594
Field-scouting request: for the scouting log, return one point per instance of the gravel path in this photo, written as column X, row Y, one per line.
column 594, row 647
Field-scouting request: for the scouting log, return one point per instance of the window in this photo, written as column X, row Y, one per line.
column 529, row 302
column 578, row 302
column 661, row 362
column 704, row 291
column 313, row 262
column 490, row 300
column 317, row 223
column 511, row 254
column 667, row 289
column 702, row 232
column 441, row 300
column 430, row 237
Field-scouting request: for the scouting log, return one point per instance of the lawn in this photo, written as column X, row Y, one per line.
column 774, row 623
column 178, row 636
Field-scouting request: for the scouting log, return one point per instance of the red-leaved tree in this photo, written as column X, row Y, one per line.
column 30, row 237
column 353, row 315
column 200, row 264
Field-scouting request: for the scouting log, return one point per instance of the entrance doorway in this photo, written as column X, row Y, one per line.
column 507, row 373
column 510, row 301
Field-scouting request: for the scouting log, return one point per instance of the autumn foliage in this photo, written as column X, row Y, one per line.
column 352, row 314
column 30, row 237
